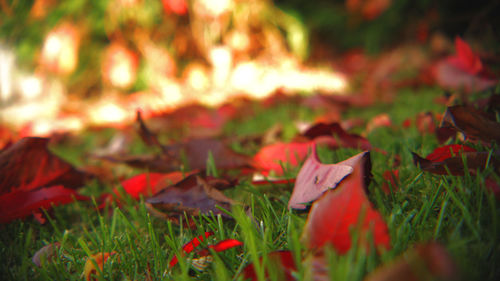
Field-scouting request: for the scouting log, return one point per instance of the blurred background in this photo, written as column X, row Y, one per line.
column 69, row 64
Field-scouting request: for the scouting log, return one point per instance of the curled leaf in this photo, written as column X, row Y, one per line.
column 339, row 211
column 315, row 178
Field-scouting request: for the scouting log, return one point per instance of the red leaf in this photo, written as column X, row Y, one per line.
column 225, row 245
column 20, row 203
column 338, row 211
column 391, row 177
column 425, row 262
column 271, row 157
column 452, row 78
column 455, row 165
column 280, row 261
column 315, row 178
column 465, row 59
column 147, row 183
column 189, row 246
column 493, row 186
column 179, row 7
column 464, row 71
column 28, row 164
column 442, row 153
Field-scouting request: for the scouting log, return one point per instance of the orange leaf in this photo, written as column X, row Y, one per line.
column 89, row 269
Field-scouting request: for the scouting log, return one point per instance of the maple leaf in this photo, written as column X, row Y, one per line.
column 20, row 203
column 28, row 164
column 315, row 178
column 339, row 211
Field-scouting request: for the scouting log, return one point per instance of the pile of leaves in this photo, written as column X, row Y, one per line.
column 273, row 190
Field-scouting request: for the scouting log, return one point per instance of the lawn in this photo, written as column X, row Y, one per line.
column 457, row 212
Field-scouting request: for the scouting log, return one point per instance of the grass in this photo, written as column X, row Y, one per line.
column 456, row 211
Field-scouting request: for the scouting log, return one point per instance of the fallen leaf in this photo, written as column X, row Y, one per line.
column 197, row 151
column 272, row 157
column 19, row 204
column 46, row 253
column 444, row 152
column 193, row 195
column 154, row 163
column 391, row 178
column 335, row 129
column 146, row 135
column 189, row 246
column 89, row 270
column 147, row 184
column 464, row 71
column 473, row 123
column 204, row 255
column 204, row 258
column 380, row 120
column 369, row 9
column 333, row 216
column 493, row 186
column 280, row 263
column 455, row 165
column 429, row 261
column 465, row 59
column 315, row 178
column 28, row 164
